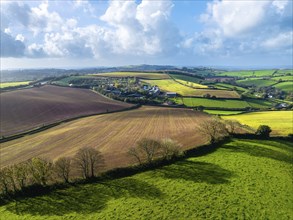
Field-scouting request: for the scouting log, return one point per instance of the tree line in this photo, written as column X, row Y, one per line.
column 88, row 162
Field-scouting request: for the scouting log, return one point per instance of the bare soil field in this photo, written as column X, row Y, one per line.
column 113, row 134
column 26, row 109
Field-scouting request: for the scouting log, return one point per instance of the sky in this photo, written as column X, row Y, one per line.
column 81, row 33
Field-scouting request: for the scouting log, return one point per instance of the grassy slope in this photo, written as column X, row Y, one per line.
column 284, row 78
column 191, row 102
column 66, row 81
column 285, row 86
column 279, row 121
column 146, row 75
column 248, row 73
column 221, row 112
column 11, row 84
column 244, row 179
column 186, row 78
column 256, row 82
column 172, row 86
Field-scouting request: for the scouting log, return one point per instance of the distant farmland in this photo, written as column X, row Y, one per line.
column 170, row 85
column 12, row 84
column 143, row 75
column 113, row 134
column 30, row 108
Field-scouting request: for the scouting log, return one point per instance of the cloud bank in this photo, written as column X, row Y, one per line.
column 145, row 29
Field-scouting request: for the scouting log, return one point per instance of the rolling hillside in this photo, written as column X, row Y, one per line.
column 22, row 110
column 243, row 179
column 113, row 134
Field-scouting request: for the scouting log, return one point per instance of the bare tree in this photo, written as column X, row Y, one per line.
column 62, row 168
column 214, row 128
column 41, row 170
column 88, row 160
column 22, row 174
column 232, row 125
column 170, row 149
column 4, row 182
column 134, row 152
column 145, row 150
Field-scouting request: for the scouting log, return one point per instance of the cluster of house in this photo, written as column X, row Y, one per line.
column 153, row 91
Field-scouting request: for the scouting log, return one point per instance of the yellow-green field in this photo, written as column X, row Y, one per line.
column 170, row 85
column 192, row 84
column 12, row 84
column 279, row 121
column 144, row 75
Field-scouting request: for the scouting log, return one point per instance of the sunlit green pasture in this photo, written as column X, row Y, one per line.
column 222, row 112
column 279, row 121
column 258, row 82
column 285, row 86
column 243, row 179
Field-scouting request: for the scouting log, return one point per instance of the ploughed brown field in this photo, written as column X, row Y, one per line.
column 26, row 109
column 113, row 134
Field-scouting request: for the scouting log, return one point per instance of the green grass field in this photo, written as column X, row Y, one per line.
column 186, row 78
column 248, row 73
column 228, row 86
column 258, row 82
column 144, row 75
column 170, row 85
column 283, row 78
column 192, row 84
column 12, row 84
column 66, row 81
column 221, row 112
column 244, row 179
column 279, row 121
column 285, row 86
column 217, row 103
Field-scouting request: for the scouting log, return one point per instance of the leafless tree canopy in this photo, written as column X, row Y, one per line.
column 214, row 128
column 88, row 161
column 147, row 150
column 62, row 168
column 41, row 170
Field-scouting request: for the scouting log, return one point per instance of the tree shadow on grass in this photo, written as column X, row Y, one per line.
column 258, row 151
column 196, row 172
column 84, row 199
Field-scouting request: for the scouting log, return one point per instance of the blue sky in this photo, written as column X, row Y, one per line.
column 82, row 33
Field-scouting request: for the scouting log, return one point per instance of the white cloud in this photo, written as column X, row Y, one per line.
column 11, row 47
column 282, row 40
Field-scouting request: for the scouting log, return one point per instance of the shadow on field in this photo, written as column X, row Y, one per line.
column 196, row 172
column 84, row 199
column 258, row 151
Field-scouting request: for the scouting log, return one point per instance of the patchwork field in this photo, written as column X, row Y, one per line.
column 185, row 78
column 113, row 134
column 283, row 78
column 285, row 86
column 279, row 121
column 243, row 179
column 256, row 82
column 30, row 108
column 12, row 84
column 171, row 85
column 142, row 75
column 249, row 73
column 221, row 112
